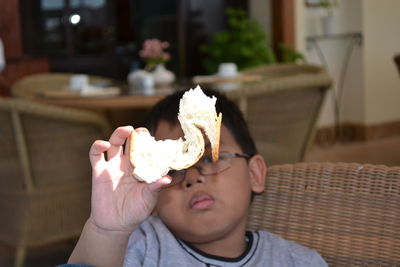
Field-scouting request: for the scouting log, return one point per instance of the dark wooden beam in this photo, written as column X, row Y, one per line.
column 283, row 23
column 10, row 28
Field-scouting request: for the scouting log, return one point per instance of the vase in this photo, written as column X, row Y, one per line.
column 328, row 24
column 162, row 76
column 141, row 81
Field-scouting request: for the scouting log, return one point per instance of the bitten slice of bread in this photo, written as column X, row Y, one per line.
column 153, row 159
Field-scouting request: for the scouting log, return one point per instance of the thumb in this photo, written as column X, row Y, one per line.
column 150, row 191
column 157, row 185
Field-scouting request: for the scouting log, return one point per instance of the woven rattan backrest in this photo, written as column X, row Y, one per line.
column 348, row 212
column 281, row 110
column 31, row 85
column 45, row 145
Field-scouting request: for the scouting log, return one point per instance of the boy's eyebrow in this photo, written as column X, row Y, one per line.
column 207, row 147
column 207, row 144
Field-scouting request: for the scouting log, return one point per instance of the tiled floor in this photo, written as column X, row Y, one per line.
column 384, row 151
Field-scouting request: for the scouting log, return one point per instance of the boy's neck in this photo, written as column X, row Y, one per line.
column 221, row 248
column 231, row 246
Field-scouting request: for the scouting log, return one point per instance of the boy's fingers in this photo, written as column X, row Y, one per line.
column 96, row 152
column 150, row 191
column 117, row 139
column 157, row 185
column 142, row 129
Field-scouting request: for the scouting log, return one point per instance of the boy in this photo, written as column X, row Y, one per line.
column 195, row 217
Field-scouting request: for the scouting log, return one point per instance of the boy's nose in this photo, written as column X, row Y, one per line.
column 192, row 177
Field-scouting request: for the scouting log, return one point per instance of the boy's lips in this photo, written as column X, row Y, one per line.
column 201, row 201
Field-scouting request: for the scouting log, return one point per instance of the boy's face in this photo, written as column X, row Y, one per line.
column 202, row 208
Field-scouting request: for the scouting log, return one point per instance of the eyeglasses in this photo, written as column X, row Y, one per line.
column 205, row 166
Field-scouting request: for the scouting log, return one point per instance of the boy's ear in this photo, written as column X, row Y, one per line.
column 258, row 172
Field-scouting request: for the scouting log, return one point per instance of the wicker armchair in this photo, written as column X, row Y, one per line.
column 281, row 110
column 29, row 86
column 44, row 172
column 348, row 212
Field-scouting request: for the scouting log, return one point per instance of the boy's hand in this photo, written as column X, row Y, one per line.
column 119, row 201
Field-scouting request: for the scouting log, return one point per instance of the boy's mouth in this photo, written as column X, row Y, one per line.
column 201, row 201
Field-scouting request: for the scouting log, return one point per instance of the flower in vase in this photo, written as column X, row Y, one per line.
column 153, row 53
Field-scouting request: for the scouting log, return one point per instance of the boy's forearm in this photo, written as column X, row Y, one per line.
column 98, row 248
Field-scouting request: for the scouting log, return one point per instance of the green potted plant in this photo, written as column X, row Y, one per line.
column 290, row 55
column 328, row 5
column 243, row 43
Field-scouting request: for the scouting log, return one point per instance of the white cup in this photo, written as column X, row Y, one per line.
column 141, row 81
column 227, row 69
column 78, row 81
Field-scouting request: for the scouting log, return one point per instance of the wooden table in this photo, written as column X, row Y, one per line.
column 103, row 103
column 124, row 109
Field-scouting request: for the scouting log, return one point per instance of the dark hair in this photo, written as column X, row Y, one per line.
column 167, row 110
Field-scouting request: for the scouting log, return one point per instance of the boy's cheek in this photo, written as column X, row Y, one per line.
column 166, row 200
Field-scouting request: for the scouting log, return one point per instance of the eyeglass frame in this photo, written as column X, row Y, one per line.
column 182, row 173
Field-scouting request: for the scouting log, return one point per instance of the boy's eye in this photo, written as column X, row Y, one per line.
column 172, row 172
column 222, row 156
column 207, row 159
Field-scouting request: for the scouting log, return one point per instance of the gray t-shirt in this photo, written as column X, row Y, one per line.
column 152, row 244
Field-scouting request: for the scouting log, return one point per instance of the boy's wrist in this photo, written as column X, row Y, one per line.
column 106, row 233
column 100, row 247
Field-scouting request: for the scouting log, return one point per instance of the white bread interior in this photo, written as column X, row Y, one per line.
column 153, row 159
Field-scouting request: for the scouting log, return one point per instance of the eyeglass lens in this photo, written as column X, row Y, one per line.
column 206, row 166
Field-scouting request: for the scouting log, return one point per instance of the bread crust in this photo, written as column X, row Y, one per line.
column 215, row 147
column 131, row 145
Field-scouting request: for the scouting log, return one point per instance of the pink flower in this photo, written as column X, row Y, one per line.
column 153, row 52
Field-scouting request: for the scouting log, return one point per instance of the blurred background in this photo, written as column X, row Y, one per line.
column 355, row 41
column 103, row 37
